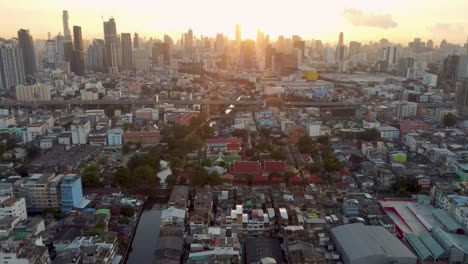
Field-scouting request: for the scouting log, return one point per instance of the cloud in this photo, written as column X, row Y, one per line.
column 358, row 18
column 445, row 28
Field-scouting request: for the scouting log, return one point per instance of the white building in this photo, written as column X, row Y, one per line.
column 114, row 137
column 6, row 121
column 313, row 129
column 80, row 131
column 405, row 109
column 389, row 132
column 430, row 79
column 370, row 124
column 33, row 92
column 32, row 131
column 13, row 207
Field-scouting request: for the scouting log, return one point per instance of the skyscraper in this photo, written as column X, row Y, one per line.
column 390, row 55
column 96, row 53
column 461, row 97
column 26, row 45
column 238, row 35
column 354, row 48
column 219, row 43
column 51, row 51
column 340, row 52
column 247, row 58
column 66, row 28
column 188, row 41
column 11, row 65
column 78, row 66
column 429, row 44
column 269, row 57
column 136, row 41
column 126, row 50
column 160, row 53
column 447, row 79
column 341, row 39
column 110, row 38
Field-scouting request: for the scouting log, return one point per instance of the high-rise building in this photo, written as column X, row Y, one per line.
column 238, row 35
column 318, row 48
column 78, row 66
column 168, row 40
column 111, row 40
column 33, row 92
column 417, row 45
column 447, row 79
column 136, row 41
column 341, row 39
column 51, row 50
column 219, row 43
column 247, row 58
column 461, row 97
column 26, row 45
column 66, row 28
column 11, row 66
column 300, row 45
column 188, row 41
column 160, row 54
column 390, row 55
column 126, row 50
column 96, row 53
column 403, row 65
column 269, row 57
column 354, row 48
column 429, row 44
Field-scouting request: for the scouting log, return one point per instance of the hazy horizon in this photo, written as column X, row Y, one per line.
column 362, row 20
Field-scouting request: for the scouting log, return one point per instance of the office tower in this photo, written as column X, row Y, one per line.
column 318, row 48
column 260, row 40
column 96, row 53
column 219, row 43
column 126, row 50
column 247, row 55
column 403, row 65
column 238, row 35
column 188, row 41
column 285, row 63
column 447, row 79
column 66, row 28
column 429, row 44
column 269, row 57
column 461, row 97
column 26, row 45
column 341, row 39
column 443, row 45
column 340, row 53
column 77, row 64
column 51, row 51
column 160, row 54
column 33, row 92
column 110, row 38
column 417, row 45
column 328, row 55
column 11, row 65
column 390, row 55
column 168, row 40
column 354, row 48
column 300, row 45
column 140, row 59
column 136, row 41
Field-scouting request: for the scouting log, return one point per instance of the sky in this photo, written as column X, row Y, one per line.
column 399, row 21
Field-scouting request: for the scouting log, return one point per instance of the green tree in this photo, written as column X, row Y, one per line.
column 126, row 148
column 278, row 154
column 121, row 176
column 305, row 145
column 145, row 174
column 91, row 176
column 3, row 148
column 449, row 120
column 371, row 134
column 324, row 140
column 103, row 161
column 331, row 164
column 127, row 210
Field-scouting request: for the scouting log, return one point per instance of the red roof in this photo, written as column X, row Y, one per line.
column 295, row 180
column 245, row 167
column 233, row 146
column 185, row 119
column 259, row 180
column 314, row 178
column 223, row 141
column 274, row 166
column 277, row 180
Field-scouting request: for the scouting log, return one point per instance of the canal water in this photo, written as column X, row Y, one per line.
column 146, row 237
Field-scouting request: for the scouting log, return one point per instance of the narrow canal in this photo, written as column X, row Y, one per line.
column 146, row 237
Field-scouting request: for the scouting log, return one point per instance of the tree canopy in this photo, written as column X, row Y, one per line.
column 449, row 120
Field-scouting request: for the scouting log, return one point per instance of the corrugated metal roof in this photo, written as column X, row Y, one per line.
column 418, row 247
column 431, row 244
column 445, row 220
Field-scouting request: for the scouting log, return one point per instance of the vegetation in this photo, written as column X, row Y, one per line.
column 449, row 120
column 407, row 186
column 127, row 210
column 278, row 154
column 322, row 153
column 371, row 134
column 91, row 177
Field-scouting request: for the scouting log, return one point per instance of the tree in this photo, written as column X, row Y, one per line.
column 305, row 145
column 449, row 120
column 331, row 164
column 127, row 210
column 371, row 134
column 91, row 176
column 104, row 160
column 324, row 140
column 121, row 176
column 145, row 174
column 32, row 151
column 278, row 154
column 126, row 148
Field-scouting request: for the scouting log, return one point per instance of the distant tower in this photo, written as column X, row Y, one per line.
column 111, row 40
column 340, row 39
column 126, row 50
column 26, row 45
column 238, row 35
column 66, row 28
column 136, row 41
column 78, row 53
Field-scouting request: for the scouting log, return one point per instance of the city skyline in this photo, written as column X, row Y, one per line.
column 398, row 21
